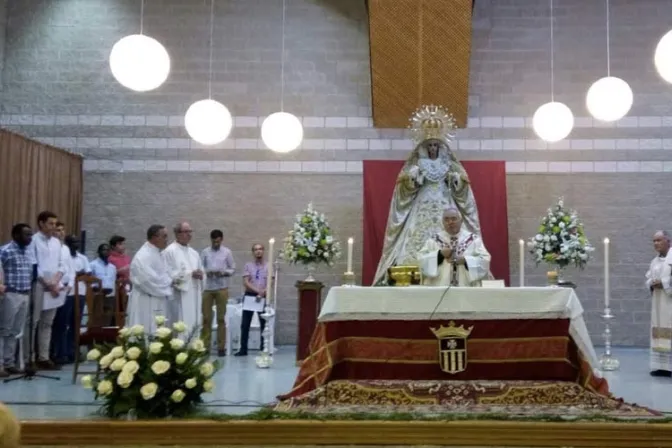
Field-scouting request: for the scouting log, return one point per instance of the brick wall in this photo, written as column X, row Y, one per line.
column 3, row 28
column 142, row 167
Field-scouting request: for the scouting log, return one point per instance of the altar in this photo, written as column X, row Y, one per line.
column 438, row 333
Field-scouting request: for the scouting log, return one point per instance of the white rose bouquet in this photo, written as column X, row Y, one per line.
column 152, row 376
column 561, row 240
column 311, row 241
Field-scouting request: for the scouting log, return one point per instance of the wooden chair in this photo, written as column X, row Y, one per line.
column 121, row 304
column 97, row 329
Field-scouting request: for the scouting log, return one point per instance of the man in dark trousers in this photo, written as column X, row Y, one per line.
column 255, row 275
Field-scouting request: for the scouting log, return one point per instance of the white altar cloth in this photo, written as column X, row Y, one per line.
column 441, row 303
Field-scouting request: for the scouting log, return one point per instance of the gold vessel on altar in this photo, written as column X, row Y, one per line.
column 405, row 275
column 552, row 278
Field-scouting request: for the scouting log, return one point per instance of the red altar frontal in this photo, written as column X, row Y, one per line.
column 470, row 334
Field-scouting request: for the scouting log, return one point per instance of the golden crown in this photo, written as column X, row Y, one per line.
column 432, row 122
column 451, row 331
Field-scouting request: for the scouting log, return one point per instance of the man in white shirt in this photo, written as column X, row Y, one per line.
column 59, row 327
column 46, row 297
column 152, row 285
column 63, row 334
column 104, row 270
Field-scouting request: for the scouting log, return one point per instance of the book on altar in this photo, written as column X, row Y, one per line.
column 253, row 303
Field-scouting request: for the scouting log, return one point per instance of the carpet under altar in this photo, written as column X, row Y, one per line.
column 542, row 400
column 525, row 351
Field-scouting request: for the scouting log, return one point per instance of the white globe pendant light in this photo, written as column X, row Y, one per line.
column 282, row 132
column 553, row 121
column 663, row 57
column 208, row 122
column 609, row 99
column 139, row 63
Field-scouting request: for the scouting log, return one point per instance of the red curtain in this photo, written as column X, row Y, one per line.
column 488, row 181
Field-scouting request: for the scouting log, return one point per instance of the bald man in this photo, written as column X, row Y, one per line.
column 186, row 271
column 658, row 283
column 455, row 256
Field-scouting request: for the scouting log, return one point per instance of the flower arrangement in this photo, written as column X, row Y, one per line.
column 561, row 240
column 311, row 241
column 151, row 376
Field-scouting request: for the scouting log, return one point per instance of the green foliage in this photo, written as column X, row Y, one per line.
column 311, row 240
column 560, row 239
column 151, row 376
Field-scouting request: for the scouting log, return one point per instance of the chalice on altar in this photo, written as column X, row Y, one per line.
column 404, row 275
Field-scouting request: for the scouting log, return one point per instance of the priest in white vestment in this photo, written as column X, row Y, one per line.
column 152, row 285
column 186, row 271
column 658, row 283
column 455, row 256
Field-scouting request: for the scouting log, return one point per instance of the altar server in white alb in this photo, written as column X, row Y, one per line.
column 152, row 285
column 658, row 282
column 186, row 272
column 455, row 257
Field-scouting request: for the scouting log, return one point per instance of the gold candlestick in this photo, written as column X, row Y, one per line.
column 349, row 279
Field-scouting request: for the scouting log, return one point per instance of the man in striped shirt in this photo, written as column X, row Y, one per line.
column 17, row 265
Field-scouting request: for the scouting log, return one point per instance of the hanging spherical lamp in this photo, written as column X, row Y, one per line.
column 282, row 132
column 663, row 57
column 553, row 121
column 208, row 122
column 609, row 99
column 139, row 63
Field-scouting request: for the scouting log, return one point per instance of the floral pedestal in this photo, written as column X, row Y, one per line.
column 561, row 242
column 310, row 305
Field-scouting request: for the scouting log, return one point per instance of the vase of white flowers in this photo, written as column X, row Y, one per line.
column 311, row 242
column 151, row 376
column 561, row 241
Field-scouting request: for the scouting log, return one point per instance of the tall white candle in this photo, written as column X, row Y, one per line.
column 351, row 243
column 606, row 272
column 521, row 249
column 269, row 278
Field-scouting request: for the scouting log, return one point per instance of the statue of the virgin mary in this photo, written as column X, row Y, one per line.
column 431, row 180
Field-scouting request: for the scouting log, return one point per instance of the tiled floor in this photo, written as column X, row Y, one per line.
column 242, row 387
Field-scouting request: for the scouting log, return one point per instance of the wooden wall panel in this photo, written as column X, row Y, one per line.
column 420, row 52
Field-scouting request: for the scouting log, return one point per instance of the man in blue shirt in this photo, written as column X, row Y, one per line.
column 17, row 265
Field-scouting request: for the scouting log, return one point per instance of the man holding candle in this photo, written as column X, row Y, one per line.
column 658, row 282
column 257, row 279
column 455, row 257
